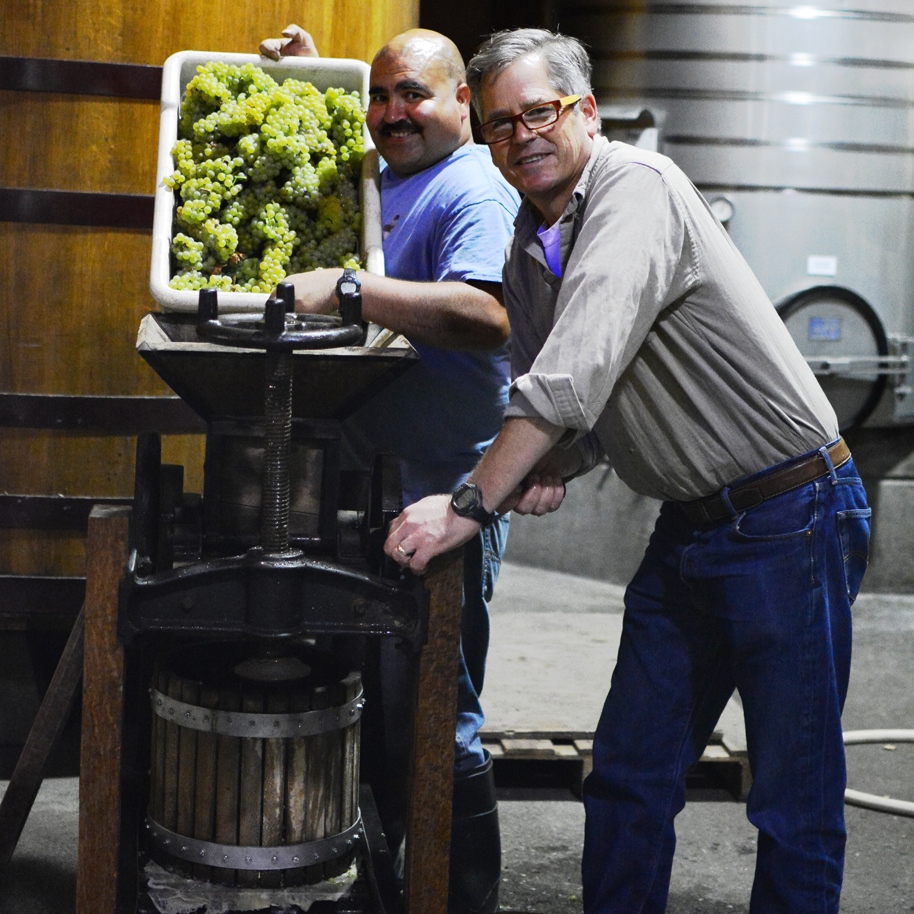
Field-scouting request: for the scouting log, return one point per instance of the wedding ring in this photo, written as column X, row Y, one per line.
column 402, row 551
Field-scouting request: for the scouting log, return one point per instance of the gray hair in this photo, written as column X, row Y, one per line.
column 567, row 62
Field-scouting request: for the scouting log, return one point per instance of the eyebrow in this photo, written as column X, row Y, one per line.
column 501, row 115
column 402, row 86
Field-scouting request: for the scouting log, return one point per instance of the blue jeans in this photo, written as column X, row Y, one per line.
column 759, row 603
column 481, row 563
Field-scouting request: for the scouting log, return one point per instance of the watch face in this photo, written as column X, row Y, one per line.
column 465, row 497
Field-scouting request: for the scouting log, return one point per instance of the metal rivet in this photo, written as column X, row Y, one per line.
column 275, row 858
column 295, row 859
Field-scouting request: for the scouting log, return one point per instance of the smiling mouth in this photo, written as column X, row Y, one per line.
column 531, row 159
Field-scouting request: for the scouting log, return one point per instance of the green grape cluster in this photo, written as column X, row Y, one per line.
column 265, row 180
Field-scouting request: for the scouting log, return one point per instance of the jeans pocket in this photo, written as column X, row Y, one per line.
column 789, row 515
column 854, row 532
column 494, row 538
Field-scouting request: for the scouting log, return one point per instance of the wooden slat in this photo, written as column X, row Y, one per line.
column 298, row 759
column 205, row 782
column 170, row 757
column 187, row 769
column 250, row 808
column 157, row 755
column 274, row 789
column 333, row 777
column 529, row 748
column 351, row 757
column 316, row 796
column 228, row 763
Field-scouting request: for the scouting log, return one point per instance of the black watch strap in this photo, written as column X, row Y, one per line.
column 466, row 501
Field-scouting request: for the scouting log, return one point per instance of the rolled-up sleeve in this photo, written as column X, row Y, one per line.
column 548, row 395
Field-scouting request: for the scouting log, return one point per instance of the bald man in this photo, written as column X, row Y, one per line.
column 447, row 215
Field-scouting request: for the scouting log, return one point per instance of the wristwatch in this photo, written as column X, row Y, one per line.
column 467, row 502
column 348, row 283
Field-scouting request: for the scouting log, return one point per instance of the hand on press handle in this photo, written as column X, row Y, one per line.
column 296, row 42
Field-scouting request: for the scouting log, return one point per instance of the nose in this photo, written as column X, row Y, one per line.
column 522, row 133
column 393, row 110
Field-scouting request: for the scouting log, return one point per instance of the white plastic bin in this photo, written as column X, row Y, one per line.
column 178, row 71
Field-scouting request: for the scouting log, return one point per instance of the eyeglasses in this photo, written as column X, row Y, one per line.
column 535, row 118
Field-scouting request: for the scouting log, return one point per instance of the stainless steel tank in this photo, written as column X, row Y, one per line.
column 796, row 120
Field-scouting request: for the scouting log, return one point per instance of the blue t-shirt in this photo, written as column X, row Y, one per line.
column 448, row 222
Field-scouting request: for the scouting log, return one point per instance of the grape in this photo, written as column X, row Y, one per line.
column 265, row 180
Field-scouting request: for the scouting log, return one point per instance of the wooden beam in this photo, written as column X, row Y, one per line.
column 102, row 714
column 428, row 835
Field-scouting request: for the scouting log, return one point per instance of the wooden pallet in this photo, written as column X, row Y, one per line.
column 563, row 759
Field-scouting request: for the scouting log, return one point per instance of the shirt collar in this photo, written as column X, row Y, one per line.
column 528, row 217
column 528, row 214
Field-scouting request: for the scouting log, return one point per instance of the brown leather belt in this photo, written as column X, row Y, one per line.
column 742, row 497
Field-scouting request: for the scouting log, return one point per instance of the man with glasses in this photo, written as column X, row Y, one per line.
column 639, row 331
column 447, row 216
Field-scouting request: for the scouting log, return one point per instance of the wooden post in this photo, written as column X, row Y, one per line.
column 428, row 835
column 102, row 714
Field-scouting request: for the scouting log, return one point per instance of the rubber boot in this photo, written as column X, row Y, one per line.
column 475, row 869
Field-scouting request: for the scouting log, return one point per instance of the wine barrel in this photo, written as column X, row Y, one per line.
column 254, row 764
column 75, row 269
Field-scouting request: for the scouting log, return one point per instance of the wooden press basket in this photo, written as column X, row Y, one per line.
column 254, row 764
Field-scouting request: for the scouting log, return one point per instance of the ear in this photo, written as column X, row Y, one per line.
column 588, row 109
column 463, row 98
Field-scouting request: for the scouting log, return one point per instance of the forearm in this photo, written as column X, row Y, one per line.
column 449, row 315
column 519, row 449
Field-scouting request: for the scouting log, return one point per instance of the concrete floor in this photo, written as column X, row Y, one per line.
column 542, row 833
column 537, row 623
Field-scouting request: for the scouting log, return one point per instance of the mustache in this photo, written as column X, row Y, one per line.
column 398, row 127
